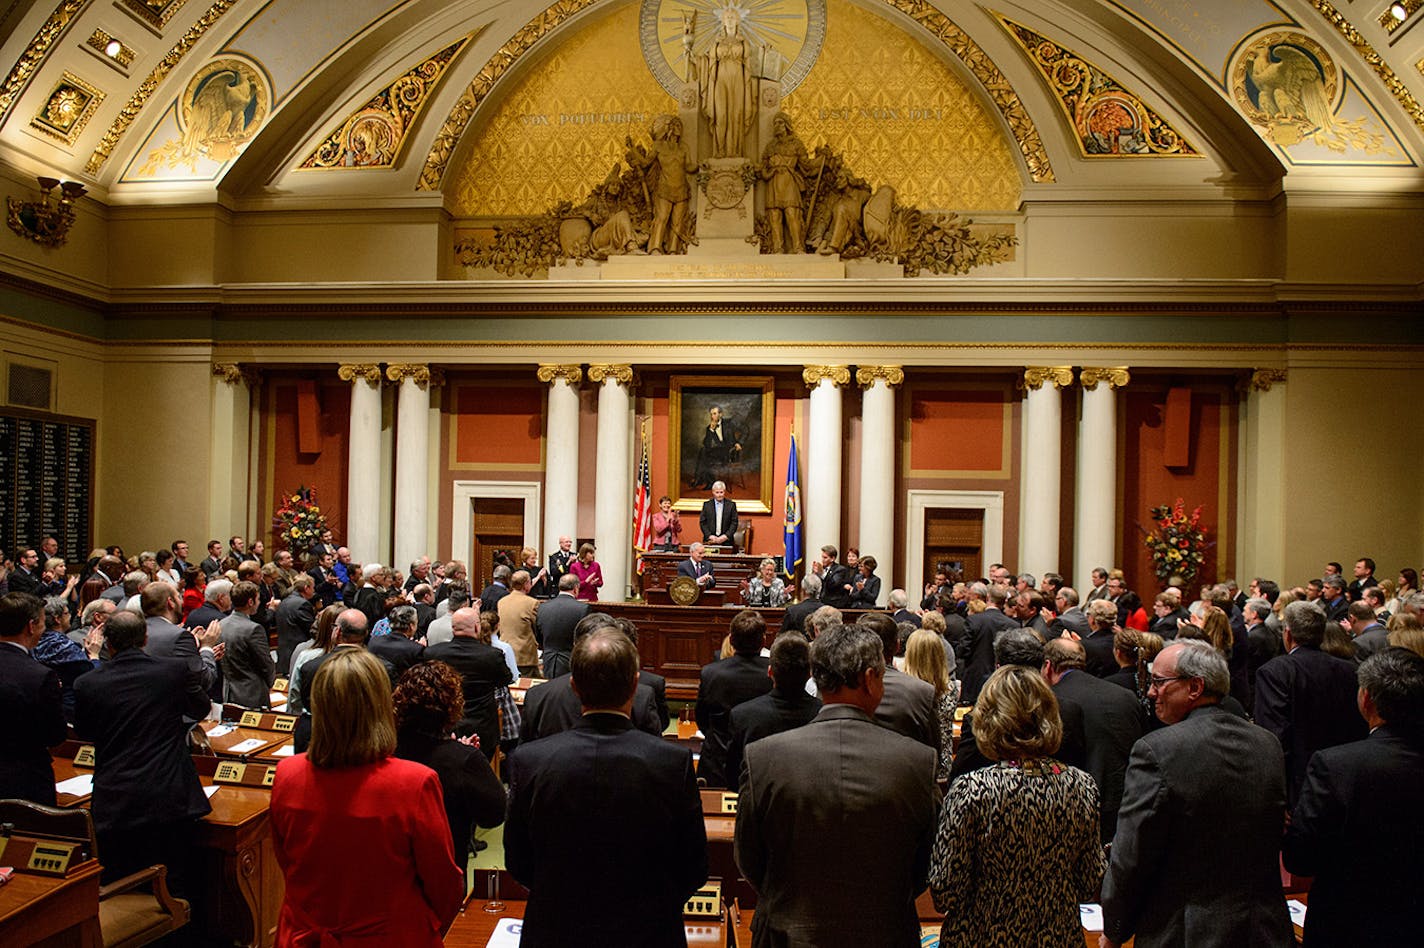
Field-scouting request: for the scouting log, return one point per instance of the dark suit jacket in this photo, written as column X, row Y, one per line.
column 724, row 685
column 1073, row 619
column 833, row 582
column 984, row 627
column 1359, row 830
column 865, row 597
column 908, row 706
column 818, row 883
column 780, row 709
column 905, row 615
column 579, row 870
column 483, row 671
column 1262, row 645
column 371, row 601
column 400, row 651
column 1112, row 723
column 473, row 794
column 132, row 708
column 694, row 570
column 707, row 520
column 210, row 566
column 491, row 595
column 1209, row 785
column 795, row 618
column 1307, row 699
column 166, row 640
column 248, row 669
column 1372, row 640
column 203, row 616
column 552, row 708
column 555, row 624
column 23, row 581
column 659, row 685
column 294, row 625
column 301, row 734
column 32, row 709
column 1098, row 650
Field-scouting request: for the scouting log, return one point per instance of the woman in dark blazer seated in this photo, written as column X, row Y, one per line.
column 429, row 700
column 866, row 589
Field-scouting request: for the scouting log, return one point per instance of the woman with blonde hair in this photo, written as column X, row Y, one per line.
column 348, row 810
column 1027, row 803
column 925, row 660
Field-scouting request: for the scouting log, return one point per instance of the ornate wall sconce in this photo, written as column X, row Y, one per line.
column 44, row 222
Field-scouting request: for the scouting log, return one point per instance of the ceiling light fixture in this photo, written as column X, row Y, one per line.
column 1398, row 11
column 113, row 49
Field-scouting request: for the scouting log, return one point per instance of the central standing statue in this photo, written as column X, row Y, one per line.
column 726, row 84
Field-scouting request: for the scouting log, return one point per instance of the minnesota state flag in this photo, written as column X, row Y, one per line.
column 791, row 523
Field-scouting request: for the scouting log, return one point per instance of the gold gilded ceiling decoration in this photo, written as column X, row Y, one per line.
column 1373, row 59
column 150, row 84
column 220, row 111
column 155, row 13
column 67, row 109
column 99, row 41
column 35, row 53
column 464, row 110
column 372, row 136
column 1107, row 119
column 995, row 83
column 677, row 33
column 898, row 114
column 1290, row 87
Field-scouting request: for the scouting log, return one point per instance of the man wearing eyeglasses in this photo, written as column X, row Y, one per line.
column 1195, row 856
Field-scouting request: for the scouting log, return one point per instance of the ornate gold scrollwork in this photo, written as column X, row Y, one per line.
column 866, row 375
column 618, row 372
column 400, row 371
column 229, row 372
column 571, row 373
column 369, row 371
column 1034, row 377
column 838, row 375
column 1116, row 376
column 1262, row 379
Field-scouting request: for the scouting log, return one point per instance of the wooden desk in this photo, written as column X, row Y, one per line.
column 58, row 912
column 473, row 927
column 236, row 862
column 223, row 745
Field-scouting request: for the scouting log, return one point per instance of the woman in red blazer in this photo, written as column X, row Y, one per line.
column 361, row 836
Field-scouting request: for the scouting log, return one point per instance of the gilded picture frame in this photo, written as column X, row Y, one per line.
column 743, row 458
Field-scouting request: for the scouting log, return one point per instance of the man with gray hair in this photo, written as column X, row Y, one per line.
column 818, row 884
column 439, row 630
column 718, row 520
column 1070, row 615
column 399, row 648
column 496, row 590
column 1210, row 783
column 217, row 603
column 1306, row 697
column 898, row 601
column 1333, row 598
column 795, row 618
column 1262, row 643
column 984, row 629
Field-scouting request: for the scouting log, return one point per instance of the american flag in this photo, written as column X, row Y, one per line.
column 643, row 505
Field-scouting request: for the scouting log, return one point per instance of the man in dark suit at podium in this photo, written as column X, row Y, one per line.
column 696, row 566
column 719, row 518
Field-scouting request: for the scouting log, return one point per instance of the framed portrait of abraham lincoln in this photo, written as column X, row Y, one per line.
column 721, row 428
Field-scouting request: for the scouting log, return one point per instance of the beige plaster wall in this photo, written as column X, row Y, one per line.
column 1352, row 484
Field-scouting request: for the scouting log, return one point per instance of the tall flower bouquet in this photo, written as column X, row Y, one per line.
column 299, row 522
column 1177, row 542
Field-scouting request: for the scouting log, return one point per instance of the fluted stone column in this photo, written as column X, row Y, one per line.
column 1042, row 467
column 823, row 457
column 363, row 467
column 561, row 453
column 228, row 440
column 613, row 489
column 1095, row 516
column 876, row 534
column 1262, row 502
column 412, row 462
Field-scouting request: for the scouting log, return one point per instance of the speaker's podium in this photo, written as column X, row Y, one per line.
column 661, row 586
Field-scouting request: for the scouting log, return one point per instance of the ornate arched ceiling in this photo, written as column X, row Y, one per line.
column 292, row 101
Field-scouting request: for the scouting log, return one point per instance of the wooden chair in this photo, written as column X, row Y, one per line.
column 135, row 910
column 743, row 535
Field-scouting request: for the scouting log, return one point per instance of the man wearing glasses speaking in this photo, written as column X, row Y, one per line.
column 1195, row 856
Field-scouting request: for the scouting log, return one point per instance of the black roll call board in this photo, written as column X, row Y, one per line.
column 46, row 482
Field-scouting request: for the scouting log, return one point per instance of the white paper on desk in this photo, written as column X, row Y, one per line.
column 211, row 790
column 219, row 731
column 79, row 786
column 286, row 750
column 242, row 747
column 277, row 697
column 1297, row 910
column 506, row 933
column 1091, row 915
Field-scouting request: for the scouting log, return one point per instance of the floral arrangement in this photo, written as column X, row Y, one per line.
column 299, row 522
column 1177, row 543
